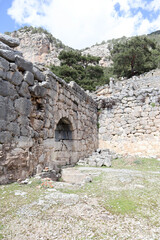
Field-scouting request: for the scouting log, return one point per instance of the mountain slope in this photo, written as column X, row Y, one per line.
column 39, row 46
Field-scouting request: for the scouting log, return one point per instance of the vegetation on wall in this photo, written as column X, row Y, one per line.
column 84, row 70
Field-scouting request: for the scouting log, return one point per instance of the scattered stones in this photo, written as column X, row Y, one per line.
column 99, row 158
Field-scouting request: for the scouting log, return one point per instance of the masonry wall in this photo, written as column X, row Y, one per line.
column 35, row 105
column 129, row 118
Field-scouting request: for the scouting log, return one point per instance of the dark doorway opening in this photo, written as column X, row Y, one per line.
column 63, row 130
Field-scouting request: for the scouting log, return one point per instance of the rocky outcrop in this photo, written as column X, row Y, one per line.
column 37, row 47
column 44, row 122
column 101, row 51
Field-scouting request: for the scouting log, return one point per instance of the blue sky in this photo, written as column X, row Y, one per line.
column 82, row 23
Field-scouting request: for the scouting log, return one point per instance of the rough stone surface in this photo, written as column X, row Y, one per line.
column 99, row 158
column 38, row 74
column 129, row 115
column 11, row 42
column 44, row 122
column 23, row 64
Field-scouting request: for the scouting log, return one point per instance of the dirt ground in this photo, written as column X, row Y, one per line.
column 122, row 202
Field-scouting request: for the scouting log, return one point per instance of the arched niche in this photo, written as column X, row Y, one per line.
column 64, row 130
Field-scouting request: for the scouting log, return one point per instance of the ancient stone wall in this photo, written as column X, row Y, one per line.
column 44, row 122
column 129, row 117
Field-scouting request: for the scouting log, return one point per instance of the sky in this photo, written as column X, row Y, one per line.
column 82, row 23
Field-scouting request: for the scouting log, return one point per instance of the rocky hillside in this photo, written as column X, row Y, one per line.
column 100, row 50
column 39, row 46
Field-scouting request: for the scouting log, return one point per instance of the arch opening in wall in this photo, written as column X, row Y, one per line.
column 63, row 130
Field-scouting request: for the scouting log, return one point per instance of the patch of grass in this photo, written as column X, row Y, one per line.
column 122, row 205
column 1, row 228
column 10, row 202
column 153, row 104
column 141, row 164
column 1, row 236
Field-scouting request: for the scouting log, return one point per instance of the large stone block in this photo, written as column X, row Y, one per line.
column 24, row 90
column 29, row 78
column 2, row 124
column 4, row 64
column 6, row 89
column 37, row 124
column 3, row 110
column 23, row 106
column 23, row 64
column 14, row 128
column 14, row 77
column 12, row 42
column 8, row 54
column 5, row 137
column 38, row 74
column 4, row 46
column 38, row 91
column 25, row 142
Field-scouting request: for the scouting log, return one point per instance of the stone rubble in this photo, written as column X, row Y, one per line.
column 98, row 158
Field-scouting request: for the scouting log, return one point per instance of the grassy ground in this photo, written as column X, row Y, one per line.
column 128, row 193
column 141, row 164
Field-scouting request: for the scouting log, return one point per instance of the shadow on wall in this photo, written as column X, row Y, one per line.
column 64, row 141
column 63, row 130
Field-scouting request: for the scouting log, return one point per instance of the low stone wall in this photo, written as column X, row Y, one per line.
column 129, row 121
column 44, row 122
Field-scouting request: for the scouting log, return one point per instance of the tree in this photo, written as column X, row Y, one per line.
column 80, row 68
column 134, row 56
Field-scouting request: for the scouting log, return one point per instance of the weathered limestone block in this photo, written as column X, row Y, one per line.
column 23, row 106
column 23, row 64
column 12, row 42
column 37, row 124
column 3, row 124
column 25, row 142
column 2, row 74
column 3, row 110
column 12, row 67
column 14, row 128
column 24, row 92
column 29, row 78
column 5, row 137
column 49, row 143
column 4, row 64
column 38, row 91
column 14, row 77
column 4, row 46
column 6, row 89
column 38, row 74
column 9, row 55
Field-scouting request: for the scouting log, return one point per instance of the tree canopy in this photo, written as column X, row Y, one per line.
column 134, row 56
column 82, row 69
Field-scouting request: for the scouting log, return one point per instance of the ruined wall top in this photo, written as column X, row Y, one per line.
column 8, row 55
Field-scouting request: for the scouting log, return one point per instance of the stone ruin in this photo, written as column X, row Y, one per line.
column 129, row 115
column 46, row 123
